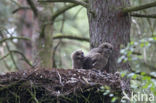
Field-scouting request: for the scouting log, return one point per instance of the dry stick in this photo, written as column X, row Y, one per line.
column 141, row 7
column 60, row 79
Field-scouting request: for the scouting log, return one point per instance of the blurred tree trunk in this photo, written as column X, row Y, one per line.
column 45, row 39
column 38, row 26
column 108, row 24
column 27, row 25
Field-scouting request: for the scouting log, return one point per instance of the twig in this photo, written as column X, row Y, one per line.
column 60, row 79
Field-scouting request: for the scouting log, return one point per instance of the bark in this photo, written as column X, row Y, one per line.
column 108, row 24
column 45, row 47
column 44, row 41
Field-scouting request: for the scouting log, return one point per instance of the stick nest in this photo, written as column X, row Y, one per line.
column 60, row 85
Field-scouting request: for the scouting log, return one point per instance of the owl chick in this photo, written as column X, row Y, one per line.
column 77, row 59
column 98, row 57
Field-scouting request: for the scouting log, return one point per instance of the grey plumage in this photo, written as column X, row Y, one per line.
column 77, row 59
column 97, row 58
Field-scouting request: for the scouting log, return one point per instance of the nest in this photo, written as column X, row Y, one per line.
column 60, row 86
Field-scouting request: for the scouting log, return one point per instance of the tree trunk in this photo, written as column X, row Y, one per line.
column 107, row 24
column 45, row 39
column 45, row 47
column 26, row 26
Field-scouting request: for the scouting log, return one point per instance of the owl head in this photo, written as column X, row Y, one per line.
column 105, row 48
column 78, row 54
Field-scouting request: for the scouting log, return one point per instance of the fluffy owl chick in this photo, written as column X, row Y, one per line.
column 99, row 56
column 77, row 59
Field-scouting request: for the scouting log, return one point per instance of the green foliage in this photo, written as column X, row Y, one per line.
column 128, row 53
column 141, row 81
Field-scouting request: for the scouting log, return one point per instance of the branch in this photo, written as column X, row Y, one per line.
column 17, row 52
column 11, row 38
column 25, row 59
column 143, row 15
column 5, row 56
column 141, row 7
column 71, row 37
column 20, row 8
column 62, row 10
column 33, row 7
column 84, row 4
column 8, row 48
